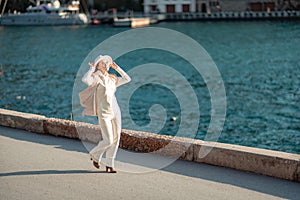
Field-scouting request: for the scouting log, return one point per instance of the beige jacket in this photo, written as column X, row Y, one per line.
column 98, row 98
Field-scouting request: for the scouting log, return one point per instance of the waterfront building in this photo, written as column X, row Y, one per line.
column 211, row 6
column 169, row 6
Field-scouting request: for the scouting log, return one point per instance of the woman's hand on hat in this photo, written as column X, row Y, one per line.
column 114, row 65
column 91, row 64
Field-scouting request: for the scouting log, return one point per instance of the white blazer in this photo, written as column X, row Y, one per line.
column 106, row 87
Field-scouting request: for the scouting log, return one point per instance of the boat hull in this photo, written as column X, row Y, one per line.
column 43, row 19
column 132, row 22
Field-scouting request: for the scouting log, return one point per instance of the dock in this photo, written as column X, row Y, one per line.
column 246, row 15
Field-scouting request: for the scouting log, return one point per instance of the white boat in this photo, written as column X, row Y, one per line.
column 47, row 12
column 125, row 22
column 130, row 21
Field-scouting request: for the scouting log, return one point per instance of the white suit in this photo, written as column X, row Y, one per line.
column 99, row 99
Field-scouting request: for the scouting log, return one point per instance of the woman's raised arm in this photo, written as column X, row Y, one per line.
column 88, row 78
column 125, row 78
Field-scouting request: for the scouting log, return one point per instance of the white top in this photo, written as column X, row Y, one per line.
column 104, row 103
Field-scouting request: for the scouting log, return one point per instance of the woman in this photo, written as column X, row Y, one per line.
column 103, row 104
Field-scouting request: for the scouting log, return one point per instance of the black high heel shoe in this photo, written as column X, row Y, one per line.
column 96, row 164
column 110, row 170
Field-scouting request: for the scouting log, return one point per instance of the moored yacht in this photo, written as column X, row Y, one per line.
column 47, row 12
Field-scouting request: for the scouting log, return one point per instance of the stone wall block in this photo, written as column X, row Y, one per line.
column 59, row 127
column 261, row 161
column 88, row 132
column 29, row 122
column 159, row 144
column 297, row 173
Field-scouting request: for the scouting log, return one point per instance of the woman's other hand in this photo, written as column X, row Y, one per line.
column 91, row 64
column 114, row 65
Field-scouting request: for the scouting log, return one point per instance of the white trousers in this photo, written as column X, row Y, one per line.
column 111, row 132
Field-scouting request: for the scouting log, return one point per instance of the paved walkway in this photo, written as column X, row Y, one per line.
column 34, row 166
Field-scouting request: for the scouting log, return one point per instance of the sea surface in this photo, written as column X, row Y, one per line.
column 259, row 63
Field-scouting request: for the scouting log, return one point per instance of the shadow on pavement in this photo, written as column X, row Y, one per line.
column 49, row 172
column 260, row 183
column 57, row 142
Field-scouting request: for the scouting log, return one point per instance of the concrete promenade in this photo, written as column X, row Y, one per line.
column 35, row 166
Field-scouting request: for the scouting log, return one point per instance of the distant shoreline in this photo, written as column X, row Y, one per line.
column 231, row 16
column 292, row 15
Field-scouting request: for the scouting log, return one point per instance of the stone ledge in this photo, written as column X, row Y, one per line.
column 19, row 120
column 297, row 173
column 59, row 127
column 88, row 132
column 272, row 163
column 261, row 161
column 161, row 144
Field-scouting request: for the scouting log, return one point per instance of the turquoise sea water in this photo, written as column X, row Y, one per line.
column 258, row 61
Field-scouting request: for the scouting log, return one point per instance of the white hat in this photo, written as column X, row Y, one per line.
column 106, row 59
